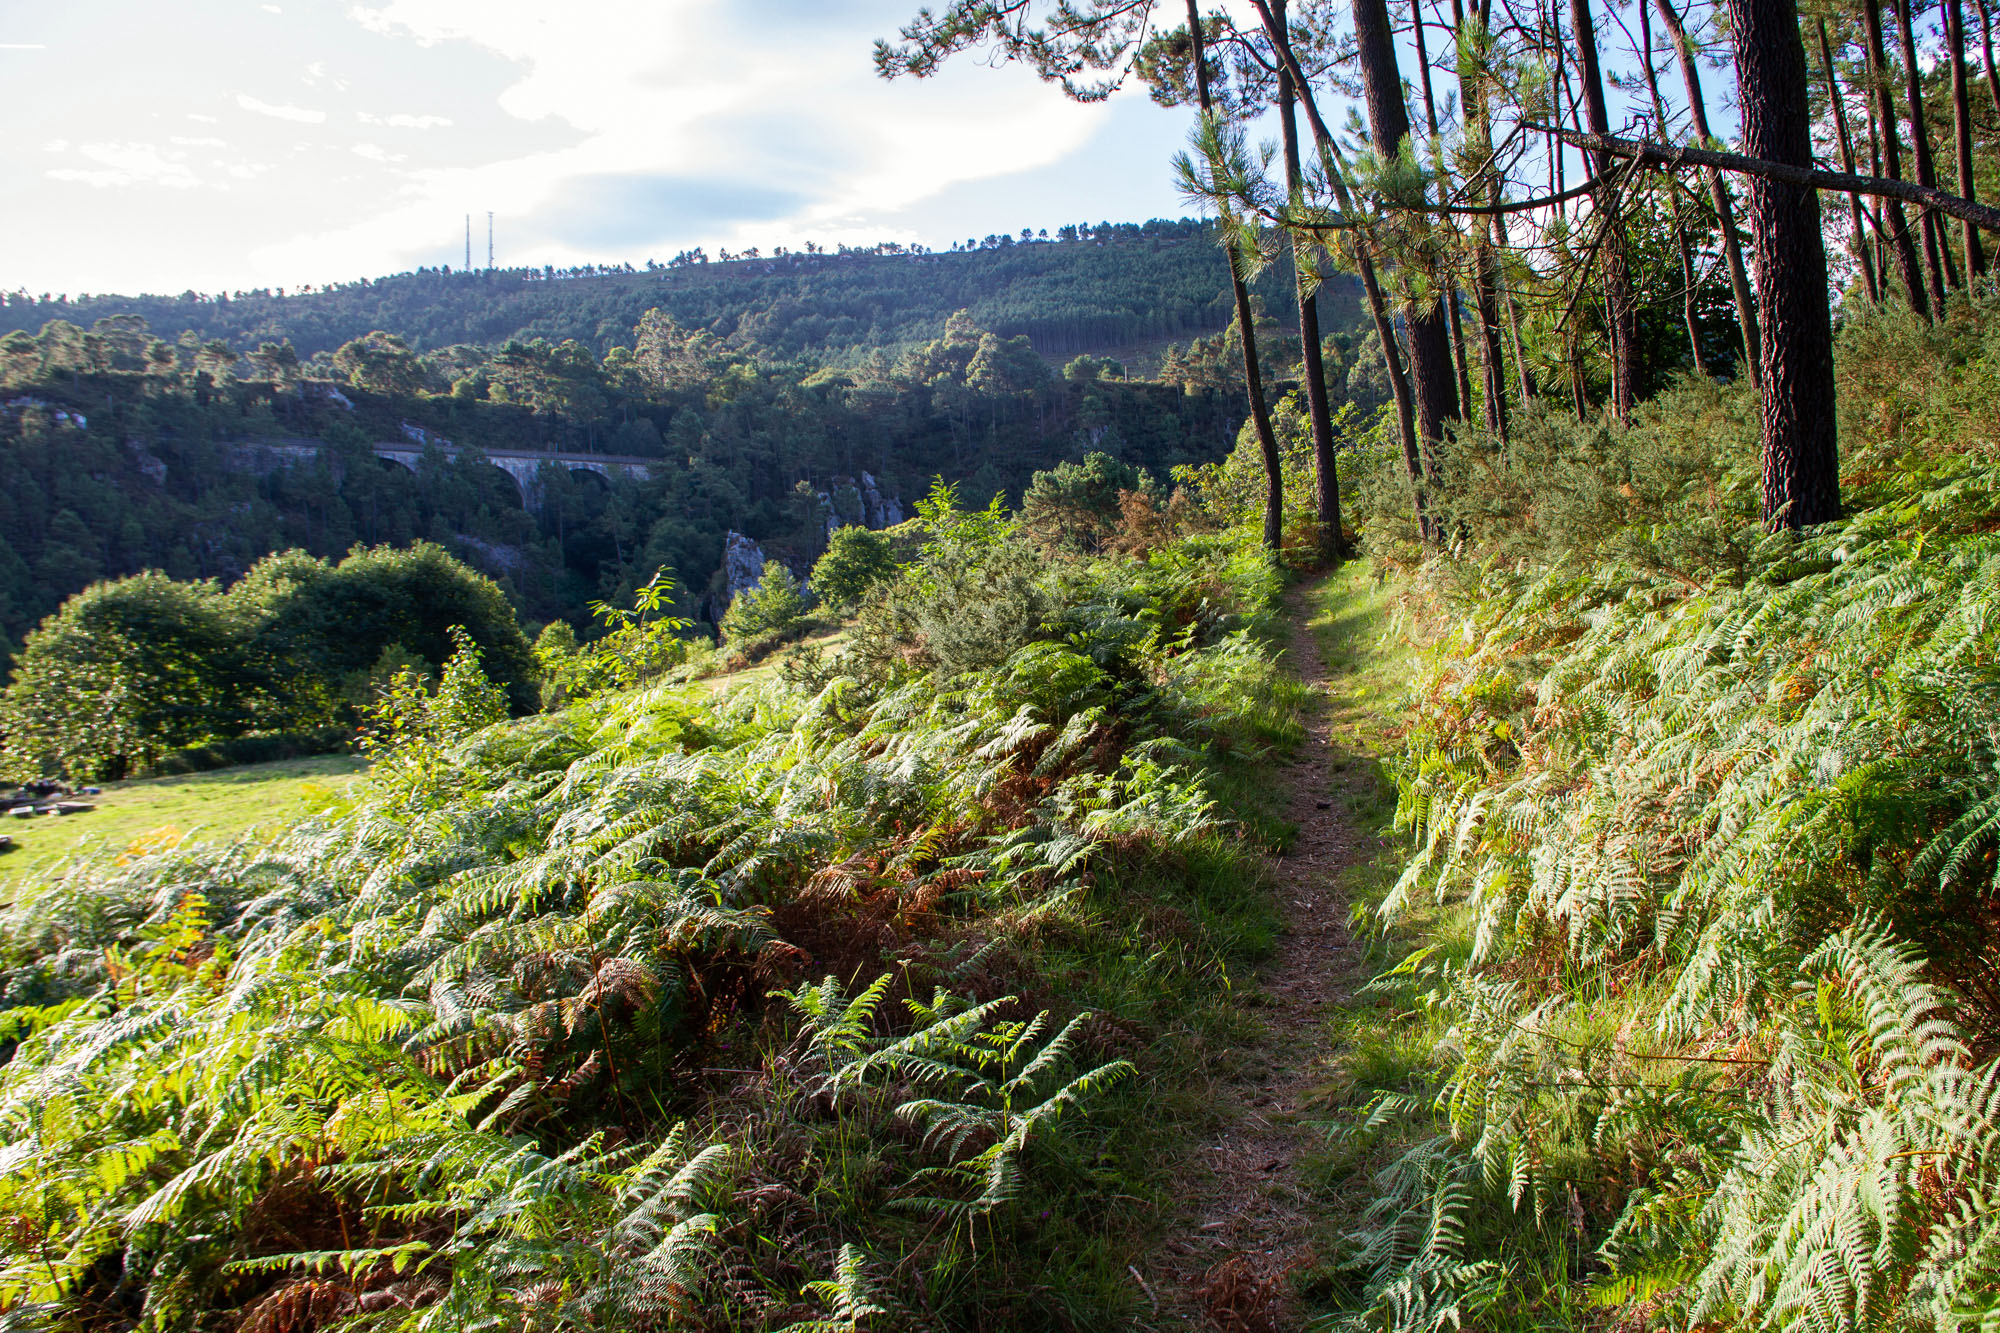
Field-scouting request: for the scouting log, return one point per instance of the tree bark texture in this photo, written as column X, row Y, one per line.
column 1961, row 121
column 1326, row 464
column 1986, row 44
column 1448, row 271
column 1468, row 35
column 1839, row 106
column 1801, row 459
column 1688, row 314
column 1920, row 150
column 1364, row 262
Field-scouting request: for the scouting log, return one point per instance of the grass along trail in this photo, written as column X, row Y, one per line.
column 1249, row 1219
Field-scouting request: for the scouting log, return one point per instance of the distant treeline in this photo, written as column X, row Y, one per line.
column 122, row 452
column 1087, row 289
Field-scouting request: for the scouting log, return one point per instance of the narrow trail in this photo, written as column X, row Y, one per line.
column 1246, row 1224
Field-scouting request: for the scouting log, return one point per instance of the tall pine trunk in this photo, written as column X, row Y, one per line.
column 1725, row 212
column 1961, row 123
column 1986, row 45
column 1326, row 465
column 1579, row 388
column 1470, row 37
column 1920, row 151
column 1511, row 309
column 1801, row 460
column 1907, row 265
column 1688, row 313
column 1253, row 377
column 1876, row 213
column 1448, row 270
column 1432, row 380
column 1364, row 263
column 1612, row 248
column 1839, row 106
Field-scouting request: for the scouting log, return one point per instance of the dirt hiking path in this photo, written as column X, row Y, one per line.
column 1246, row 1223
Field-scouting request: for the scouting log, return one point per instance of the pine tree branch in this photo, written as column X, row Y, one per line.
column 1672, row 155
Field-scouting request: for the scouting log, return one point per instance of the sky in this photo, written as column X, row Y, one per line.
column 220, row 145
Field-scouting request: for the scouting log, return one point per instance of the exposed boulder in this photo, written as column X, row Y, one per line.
column 742, row 565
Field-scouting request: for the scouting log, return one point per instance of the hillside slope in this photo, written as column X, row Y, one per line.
column 1122, row 285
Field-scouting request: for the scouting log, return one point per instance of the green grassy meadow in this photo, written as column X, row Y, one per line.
column 198, row 807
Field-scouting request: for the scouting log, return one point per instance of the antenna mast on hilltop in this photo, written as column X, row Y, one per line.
column 489, row 238
column 468, row 242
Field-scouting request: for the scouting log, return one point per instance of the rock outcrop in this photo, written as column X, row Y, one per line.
column 742, row 565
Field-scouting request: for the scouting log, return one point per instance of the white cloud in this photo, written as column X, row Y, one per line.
column 601, row 129
column 56, row 146
column 121, row 164
column 403, row 121
column 693, row 89
column 23, row 46
column 284, row 111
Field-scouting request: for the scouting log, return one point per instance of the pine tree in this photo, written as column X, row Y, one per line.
column 1801, row 463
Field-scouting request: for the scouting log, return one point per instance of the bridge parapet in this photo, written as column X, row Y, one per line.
column 524, row 465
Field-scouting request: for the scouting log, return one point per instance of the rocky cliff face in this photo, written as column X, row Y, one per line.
column 849, row 504
column 859, row 504
column 742, row 565
column 882, row 513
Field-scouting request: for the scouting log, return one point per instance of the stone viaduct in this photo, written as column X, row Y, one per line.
column 522, row 465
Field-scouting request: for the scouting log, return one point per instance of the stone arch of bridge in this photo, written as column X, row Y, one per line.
column 499, row 483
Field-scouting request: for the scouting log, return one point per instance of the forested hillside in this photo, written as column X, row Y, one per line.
column 770, row 392
column 120, row 453
column 1090, row 289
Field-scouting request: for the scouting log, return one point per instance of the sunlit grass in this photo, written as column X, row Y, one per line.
column 155, row 813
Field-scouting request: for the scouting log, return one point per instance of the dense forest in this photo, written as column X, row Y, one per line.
column 1506, row 837
column 122, row 450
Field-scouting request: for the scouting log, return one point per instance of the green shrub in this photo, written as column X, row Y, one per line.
column 956, row 615
column 310, row 623
column 130, row 670
column 409, row 727
column 972, row 596
column 856, row 562
column 1076, row 506
column 361, row 690
column 261, row 747
column 1676, row 491
column 774, row 607
column 638, row 645
column 125, row 673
